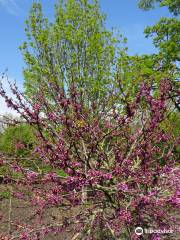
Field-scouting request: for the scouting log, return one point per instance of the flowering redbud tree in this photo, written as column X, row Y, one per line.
column 120, row 169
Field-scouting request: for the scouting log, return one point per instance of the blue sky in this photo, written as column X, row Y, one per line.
column 122, row 14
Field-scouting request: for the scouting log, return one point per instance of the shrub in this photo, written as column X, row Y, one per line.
column 124, row 177
column 17, row 140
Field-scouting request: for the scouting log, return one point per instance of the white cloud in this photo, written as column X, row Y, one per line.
column 11, row 6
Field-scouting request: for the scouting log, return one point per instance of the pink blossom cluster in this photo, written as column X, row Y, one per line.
column 119, row 169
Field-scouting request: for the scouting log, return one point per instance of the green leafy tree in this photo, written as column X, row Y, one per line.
column 76, row 50
column 173, row 5
column 165, row 33
column 166, row 37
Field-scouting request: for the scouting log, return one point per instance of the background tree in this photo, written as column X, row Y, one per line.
column 165, row 32
column 17, row 141
column 166, row 38
column 76, row 50
column 173, row 5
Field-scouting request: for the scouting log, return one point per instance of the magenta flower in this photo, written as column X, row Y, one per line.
column 122, row 187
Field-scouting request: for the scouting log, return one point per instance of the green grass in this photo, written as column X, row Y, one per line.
column 4, row 194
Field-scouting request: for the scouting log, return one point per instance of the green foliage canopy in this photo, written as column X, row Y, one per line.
column 165, row 33
column 17, row 140
column 74, row 50
column 173, row 5
column 166, row 37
